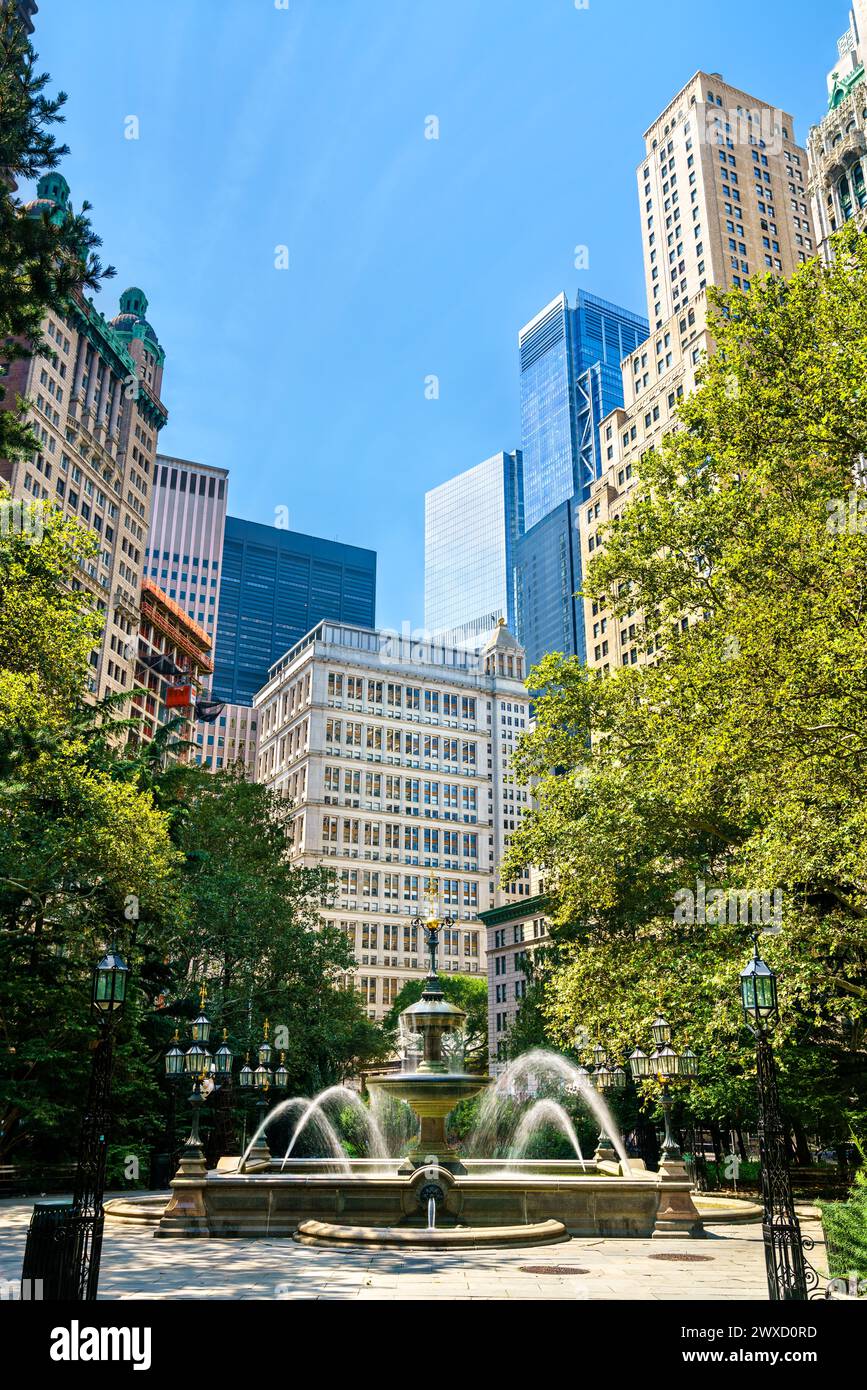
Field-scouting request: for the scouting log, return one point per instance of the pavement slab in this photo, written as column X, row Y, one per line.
column 135, row 1265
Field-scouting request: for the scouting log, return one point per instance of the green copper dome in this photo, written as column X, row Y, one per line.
column 52, row 199
column 131, row 322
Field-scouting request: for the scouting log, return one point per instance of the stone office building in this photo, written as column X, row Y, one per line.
column 397, row 757
column 96, row 411
column 838, row 145
column 723, row 197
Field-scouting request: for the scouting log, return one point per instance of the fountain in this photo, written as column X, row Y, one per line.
column 430, row 1195
column 432, row 1091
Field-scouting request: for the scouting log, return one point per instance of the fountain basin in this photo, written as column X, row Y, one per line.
column 586, row 1200
column 457, row 1237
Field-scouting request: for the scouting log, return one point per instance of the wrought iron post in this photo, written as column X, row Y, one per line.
column 784, row 1244
column 90, row 1173
column 670, row 1147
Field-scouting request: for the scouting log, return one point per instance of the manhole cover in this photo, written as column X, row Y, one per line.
column 552, row 1269
column 682, row 1259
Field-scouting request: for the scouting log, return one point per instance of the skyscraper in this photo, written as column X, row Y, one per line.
column 838, row 145
column 722, row 194
column 276, row 585
column 185, row 556
column 471, row 524
column 185, row 541
column 96, row 412
column 570, row 380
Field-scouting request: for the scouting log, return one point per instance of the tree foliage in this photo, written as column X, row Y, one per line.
column 43, row 260
column 734, row 758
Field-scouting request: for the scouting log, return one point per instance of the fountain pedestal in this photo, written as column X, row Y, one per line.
column 432, row 1091
column 677, row 1215
column 186, row 1213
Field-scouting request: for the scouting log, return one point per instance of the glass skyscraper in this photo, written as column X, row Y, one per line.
column 570, row 380
column 471, row 524
column 274, row 587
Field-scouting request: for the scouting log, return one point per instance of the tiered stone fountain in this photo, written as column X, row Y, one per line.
column 429, row 1196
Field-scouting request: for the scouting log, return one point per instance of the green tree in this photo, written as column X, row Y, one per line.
column 735, row 757
column 252, row 927
column 43, row 260
column 74, row 843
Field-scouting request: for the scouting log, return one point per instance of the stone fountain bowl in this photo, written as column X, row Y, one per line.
column 432, row 1093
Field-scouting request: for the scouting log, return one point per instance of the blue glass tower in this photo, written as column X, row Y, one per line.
column 275, row 586
column 471, row 525
column 570, row 380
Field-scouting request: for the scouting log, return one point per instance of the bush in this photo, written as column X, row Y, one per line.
column 749, row 1175
column 845, row 1227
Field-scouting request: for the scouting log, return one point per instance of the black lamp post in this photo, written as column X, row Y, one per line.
column 174, row 1064
column 258, row 1081
column 64, row 1242
column 606, row 1079
column 789, row 1273
column 667, row 1065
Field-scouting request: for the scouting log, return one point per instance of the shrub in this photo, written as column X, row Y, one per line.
column 845, row 1227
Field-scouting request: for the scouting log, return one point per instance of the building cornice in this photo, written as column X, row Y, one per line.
column 513, row 912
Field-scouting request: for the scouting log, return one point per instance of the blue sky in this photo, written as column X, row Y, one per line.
column 304, row 127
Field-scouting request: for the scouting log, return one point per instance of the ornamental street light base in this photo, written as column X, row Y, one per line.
column 186, row 1214
column 677, row 1215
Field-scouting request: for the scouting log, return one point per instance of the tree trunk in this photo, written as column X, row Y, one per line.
column 802, row 1147
column 716, row 1140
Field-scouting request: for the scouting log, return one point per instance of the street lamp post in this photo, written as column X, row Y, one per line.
column 789, row 1273
column 64, row 1242
column 186, row 1213
column 261, row 1079
column 666, row 1065
column 605, row 1079
column 676, row 1214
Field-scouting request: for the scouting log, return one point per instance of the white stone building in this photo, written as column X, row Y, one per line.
column 397, row 758
column 837, row 147
column 723, row 198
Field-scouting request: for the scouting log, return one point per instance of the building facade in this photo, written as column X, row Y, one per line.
column 397, row 757
column 514, row 931
column 184, row 552
column 185, row 555
column 96, row 411
column 172, row 667
column 837, row 147
column 275, row 586
column 26, row 10
column 570, row 380
column 471, row 525
column 723, row 196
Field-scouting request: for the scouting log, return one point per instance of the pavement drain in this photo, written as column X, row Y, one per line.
column 552, row 1269
column 681, row 1259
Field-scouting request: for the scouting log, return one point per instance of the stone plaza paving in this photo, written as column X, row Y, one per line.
column 135, row 1265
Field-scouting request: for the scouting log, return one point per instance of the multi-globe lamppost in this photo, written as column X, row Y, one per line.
column 606, row 1078
column 200, row 1064
column 789, row 1274
column 64, row 1242
column 667, row 1066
